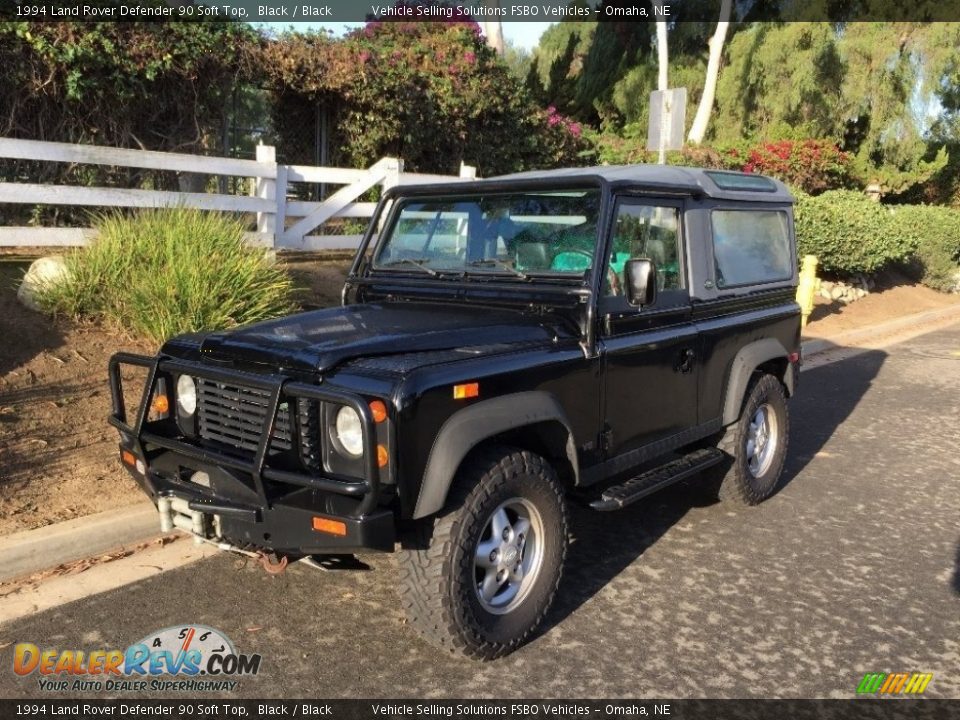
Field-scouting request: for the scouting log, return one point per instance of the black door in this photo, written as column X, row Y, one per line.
column 649, row 354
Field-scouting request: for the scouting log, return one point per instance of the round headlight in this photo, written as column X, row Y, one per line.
column 349, row 431
column 187, row 395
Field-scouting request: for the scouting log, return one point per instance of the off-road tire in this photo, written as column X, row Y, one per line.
column 737, row 484
column 437, row 582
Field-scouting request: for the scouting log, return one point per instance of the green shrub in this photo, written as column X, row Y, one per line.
column 937, row 233
column 850, row 233
column 159, row 273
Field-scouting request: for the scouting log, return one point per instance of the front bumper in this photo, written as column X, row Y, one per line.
column 243, row 501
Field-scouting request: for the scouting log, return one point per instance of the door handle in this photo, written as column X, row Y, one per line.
column 687, row 356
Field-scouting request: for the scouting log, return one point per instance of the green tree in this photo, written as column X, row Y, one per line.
column 780, row 80
column 154, row 86
column 557, row 63
column 431, row 93
column 518, row 59
column 865, row 85
column 161, row 86
column 616, row 47
column 891, row 70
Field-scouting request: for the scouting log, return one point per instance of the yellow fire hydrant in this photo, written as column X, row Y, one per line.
column 808, row 288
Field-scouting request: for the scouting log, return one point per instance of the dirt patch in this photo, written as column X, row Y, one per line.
column 57, row 453
column 318, row 282
column 894, row 296
column 58, row 456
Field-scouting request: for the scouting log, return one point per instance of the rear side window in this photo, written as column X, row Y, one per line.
column 751, row 247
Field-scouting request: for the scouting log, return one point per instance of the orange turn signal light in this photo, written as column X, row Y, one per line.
column 160, row 405
column 378, row 410
column 331, row 527
column 128, row 458
column 466, row 390
column 383, row 457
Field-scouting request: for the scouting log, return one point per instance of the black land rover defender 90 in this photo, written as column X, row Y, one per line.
column 500, row 343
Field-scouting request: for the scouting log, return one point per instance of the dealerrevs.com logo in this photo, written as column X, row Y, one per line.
column 187, row 658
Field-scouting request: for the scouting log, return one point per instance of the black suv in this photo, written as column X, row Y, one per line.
column 500, row 343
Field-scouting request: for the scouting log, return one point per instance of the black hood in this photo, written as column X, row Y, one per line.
column 320, row 340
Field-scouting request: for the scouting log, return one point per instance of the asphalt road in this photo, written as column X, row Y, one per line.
column 852, row 567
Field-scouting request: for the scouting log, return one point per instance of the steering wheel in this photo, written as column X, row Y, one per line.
column 612, row 278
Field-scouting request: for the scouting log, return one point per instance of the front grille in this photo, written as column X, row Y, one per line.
column 233, row 416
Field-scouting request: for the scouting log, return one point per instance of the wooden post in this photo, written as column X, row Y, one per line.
column 392, row 168
column 280, row 219
column 267, row 190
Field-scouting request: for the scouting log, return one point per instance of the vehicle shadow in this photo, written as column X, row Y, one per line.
column 24, row 333
column 606, row 543
column 956, row 572
column 826, row 396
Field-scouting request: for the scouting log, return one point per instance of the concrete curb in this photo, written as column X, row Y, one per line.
column 911, row 323
column 27, row 552
column 30, row 551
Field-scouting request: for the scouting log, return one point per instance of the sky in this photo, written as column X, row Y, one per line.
column 521, row 34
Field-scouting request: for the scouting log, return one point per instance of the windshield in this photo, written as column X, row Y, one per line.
column 517, row 234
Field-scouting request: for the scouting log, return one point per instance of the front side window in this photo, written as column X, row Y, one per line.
column 519, row 233
column 643, row 230
column 751, row 247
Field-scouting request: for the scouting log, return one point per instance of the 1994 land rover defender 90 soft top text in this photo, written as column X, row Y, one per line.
column 501, row 343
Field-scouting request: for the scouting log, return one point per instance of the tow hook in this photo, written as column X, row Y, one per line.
column 272, row 563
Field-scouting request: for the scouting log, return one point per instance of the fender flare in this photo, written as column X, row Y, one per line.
column 746, row 361
column 466, row 428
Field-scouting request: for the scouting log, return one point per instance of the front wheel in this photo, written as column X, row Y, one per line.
column 479, row 578
column 756, row 444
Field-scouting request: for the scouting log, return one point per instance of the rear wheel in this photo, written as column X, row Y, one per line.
column 479, row 578
column 756, row 444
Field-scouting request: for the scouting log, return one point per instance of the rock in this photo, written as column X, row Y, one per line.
column 826, row 285
column 837, row 293
column 43, row 273
column 956, row 282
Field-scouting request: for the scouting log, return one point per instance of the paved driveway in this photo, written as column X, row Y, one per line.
column 851, row 568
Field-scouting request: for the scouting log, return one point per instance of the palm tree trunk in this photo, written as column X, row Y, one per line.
column 699, row 128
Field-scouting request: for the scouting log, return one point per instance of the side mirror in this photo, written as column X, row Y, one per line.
column 640, row 278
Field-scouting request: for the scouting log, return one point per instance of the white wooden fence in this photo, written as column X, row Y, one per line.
column 281, row 222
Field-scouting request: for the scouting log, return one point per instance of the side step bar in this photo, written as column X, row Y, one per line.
column 619, row 496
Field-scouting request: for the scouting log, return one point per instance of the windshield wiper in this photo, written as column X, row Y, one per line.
column 416, row 263
column 487, row 262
